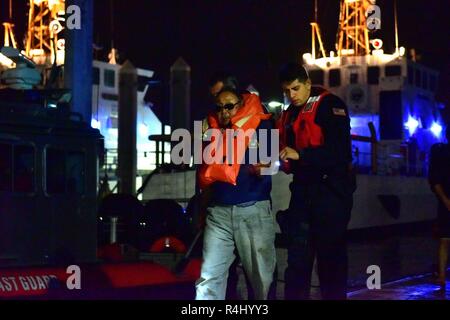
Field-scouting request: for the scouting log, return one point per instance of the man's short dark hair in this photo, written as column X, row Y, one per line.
column 228, row 79
column 232, row 90
column 293, row 71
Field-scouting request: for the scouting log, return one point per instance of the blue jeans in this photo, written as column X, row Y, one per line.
column 251, row 230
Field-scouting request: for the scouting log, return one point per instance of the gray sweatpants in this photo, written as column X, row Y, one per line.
column 249, row 229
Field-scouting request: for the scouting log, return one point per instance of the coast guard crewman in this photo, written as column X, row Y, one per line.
column 315, row 146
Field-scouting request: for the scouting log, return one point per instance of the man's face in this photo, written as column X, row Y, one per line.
column 224, row 102
column 215, row 89
column 297, row 92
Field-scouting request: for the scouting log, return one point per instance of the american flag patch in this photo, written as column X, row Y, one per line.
column 339, row 112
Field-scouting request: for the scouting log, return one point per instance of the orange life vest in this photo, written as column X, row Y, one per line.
column 248, row 117
column 307, row 133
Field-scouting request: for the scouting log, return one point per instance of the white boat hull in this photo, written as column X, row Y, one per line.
column 409, row 199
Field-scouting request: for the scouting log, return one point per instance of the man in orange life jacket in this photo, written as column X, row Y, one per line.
column 316, row 147
column 218, row 81
column 239, row 213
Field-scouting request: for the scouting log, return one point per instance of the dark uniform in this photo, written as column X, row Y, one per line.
column 321, row 201
column 439, row 173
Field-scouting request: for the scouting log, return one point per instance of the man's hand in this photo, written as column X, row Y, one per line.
column 289, row 153
column 439, row 189
column 256, row 169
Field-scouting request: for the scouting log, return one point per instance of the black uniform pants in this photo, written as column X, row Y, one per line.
column 317, row 221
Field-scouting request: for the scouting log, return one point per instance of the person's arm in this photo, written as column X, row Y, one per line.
column 439, row 190
column 435, row 175
column 268, row 126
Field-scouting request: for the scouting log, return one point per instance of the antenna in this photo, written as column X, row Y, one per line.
column 112, row 56
column 315, row 10
column 10, row 10
column 396, row 26
column 112, row 22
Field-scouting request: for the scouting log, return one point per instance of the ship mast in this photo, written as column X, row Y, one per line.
column 9, row 38
column 44, row 24
column 113, row 54
column 315, row 34
column 353, row 35
column 396, row 27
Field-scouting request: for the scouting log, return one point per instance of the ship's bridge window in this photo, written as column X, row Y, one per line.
column 373, row 75
column 65, row 171
column 391, row 71
column 109, row 78
column 353, row 78
column 17, row 164
column 335, row 78
column 316, row 76
column 95, row 75
column 112, row 123
column 24, row 169
column 418, row 78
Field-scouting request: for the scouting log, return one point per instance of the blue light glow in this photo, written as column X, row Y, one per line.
column 113, row 132
column 143, row 130
column 95, row 124
column 436, row 128
column 411, row 125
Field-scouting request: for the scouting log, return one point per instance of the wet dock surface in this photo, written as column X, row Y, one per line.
column 407, row 267
column 420, row 287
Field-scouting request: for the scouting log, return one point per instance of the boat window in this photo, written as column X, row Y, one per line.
column 373, row 75
column 111, row 97
column 75, row 172
column 65, row 171
column 316, row 76
column 23, row 173
column 390, row 71
column 112, row 123
column 335, row 77
column 55, row 173
column 410, row 75
column 6, row 167
column 110, row 78
column 95, row 75
column 391, row 115
column 353, row 78
column 417, row 78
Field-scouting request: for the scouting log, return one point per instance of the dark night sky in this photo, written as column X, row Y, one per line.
column 250, row 38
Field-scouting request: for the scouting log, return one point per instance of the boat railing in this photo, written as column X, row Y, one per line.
column 153, row 159
column 405, row 160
